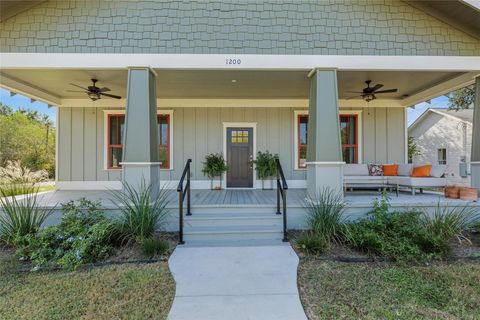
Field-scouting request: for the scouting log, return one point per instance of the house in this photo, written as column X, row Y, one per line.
column 290, row 77
column 445, row 137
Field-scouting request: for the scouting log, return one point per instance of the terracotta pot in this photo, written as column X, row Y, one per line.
column 452, row 192
column 469, row 194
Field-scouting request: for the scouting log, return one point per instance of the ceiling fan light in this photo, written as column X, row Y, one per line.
column 368, row 97
column 94, row 96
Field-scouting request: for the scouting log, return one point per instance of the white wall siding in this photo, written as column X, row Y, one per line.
column 199, row 131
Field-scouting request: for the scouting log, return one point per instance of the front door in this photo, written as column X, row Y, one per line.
column 239, row 155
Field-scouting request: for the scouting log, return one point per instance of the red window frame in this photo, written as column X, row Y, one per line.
column 109, row 144
column 166, row 146
column 349, row 145
column 299, row 145
column 355, row 145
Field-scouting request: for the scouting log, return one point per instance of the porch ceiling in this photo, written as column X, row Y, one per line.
column 226, row 83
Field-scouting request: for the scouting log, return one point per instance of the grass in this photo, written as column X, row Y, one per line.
column 21, row 191
column 334, row 290
column 113, row 292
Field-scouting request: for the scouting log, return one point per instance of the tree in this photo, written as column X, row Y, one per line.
column 461, row 99
column 412, row 149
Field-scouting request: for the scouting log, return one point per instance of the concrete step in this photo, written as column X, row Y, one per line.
column 233, row 219
column 232, row 233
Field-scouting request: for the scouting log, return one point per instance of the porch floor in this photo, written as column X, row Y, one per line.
column 254, row 198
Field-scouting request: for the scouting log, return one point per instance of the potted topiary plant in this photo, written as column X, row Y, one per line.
column 214, row 166
column 266, row 167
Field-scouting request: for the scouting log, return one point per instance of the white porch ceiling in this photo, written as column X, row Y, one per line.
column 218, row 84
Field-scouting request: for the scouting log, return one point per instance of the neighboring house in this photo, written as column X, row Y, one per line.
column 195, row 76
column 445, row 137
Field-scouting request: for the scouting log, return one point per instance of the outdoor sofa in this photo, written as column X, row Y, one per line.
column 359, row 176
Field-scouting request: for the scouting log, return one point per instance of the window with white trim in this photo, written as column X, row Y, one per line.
column 115, row 132
column 349, row 134
column 442, row 156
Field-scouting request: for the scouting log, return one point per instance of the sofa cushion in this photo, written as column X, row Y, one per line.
column 405, row 169
column 418, row 182
column 354, row 169
column 422, row 171
column 438, row 170
column 375, row 169
column 390, row 169
column 364, row 179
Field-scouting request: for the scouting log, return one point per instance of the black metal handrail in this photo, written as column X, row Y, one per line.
column 282, row 188
column 182, row 192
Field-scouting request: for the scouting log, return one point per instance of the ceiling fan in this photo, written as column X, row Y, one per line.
column 94, row 92
column 368, row 93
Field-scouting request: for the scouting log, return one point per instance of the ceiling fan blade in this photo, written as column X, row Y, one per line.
column 376, row 87
column 353, row 97
column 355, row 91
column 387, row 91
column 76, row 85
column 110, row 95
column 104, row 89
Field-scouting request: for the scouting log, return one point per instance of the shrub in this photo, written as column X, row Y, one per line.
column 15, row 173
column 154, row 246
column 325, row 215
column 398, row 235
column 310, row 243
column 448, row 223
column 19, row 218
column 141, row 214
column 214, row 164
column 265, row 164
column 84, row 235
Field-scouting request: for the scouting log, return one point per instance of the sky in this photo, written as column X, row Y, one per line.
column 19, row 101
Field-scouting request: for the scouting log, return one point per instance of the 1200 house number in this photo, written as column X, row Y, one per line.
column 232, row 61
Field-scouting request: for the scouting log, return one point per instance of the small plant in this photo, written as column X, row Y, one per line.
column 214, row 165
column 325, row 215
column 141, row 212
column 448, row 223
column 19, row 218
column 154, row 246
column 15, row 173
column 84, row 235
column 265, row 164
column 310, row 243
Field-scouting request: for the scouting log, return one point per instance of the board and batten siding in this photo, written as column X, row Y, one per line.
column 199, row 131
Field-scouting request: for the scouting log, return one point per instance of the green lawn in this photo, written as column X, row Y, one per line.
column 334, row 290
column 20, row 191
column 143, row 291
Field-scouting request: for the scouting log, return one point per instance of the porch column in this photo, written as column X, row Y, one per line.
column 324, row 152
column 140, row 145
column 475, row 156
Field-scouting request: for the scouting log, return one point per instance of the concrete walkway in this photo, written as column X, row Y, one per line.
column 250, row 282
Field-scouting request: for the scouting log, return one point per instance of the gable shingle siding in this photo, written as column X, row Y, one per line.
column 226, row 26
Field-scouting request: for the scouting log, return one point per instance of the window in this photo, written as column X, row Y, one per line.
column 442, row 156
column 349, row 137
column 302, row 140
column 116, row 128
column 348, row 133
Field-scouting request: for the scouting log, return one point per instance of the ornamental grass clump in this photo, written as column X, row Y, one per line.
column 20, row 216
column 143, row 211
column 326, row 215
column 15, row 173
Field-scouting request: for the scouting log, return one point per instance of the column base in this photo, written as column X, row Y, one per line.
column 137, row 173
column 322, row 175
column 475, row 174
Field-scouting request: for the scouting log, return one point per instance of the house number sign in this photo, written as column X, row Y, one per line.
column 233, row 61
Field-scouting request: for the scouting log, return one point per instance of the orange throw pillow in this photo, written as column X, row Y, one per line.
column 422, row 171
column 390, row 169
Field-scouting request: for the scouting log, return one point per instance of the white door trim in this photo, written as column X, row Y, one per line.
column 252, row 125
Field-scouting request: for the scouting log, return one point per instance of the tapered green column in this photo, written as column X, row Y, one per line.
column 140, row 146
column 475, row 157
column 324, row 152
